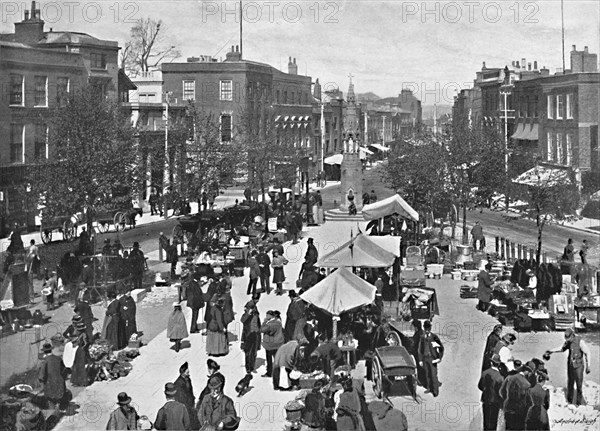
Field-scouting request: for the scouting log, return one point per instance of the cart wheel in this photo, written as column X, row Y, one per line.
column 393, row 339
column 103, row 227
column 46, row 235
column 120, row 221
column 68, row 230
column 377, row 378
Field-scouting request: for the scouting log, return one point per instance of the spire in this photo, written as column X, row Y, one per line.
column 351, row 97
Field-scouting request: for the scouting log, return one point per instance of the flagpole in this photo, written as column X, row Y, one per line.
column 562, row 19
column 241, row 21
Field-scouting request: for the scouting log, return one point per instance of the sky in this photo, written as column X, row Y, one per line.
column 433, row 48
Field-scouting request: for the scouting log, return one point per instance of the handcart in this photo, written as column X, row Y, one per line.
column 390, row 365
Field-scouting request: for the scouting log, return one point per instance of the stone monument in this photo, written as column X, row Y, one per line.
column 351, row 180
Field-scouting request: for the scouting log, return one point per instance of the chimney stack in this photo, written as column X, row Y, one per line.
column 529, row 66
column 574, row 48
column 523, row 63
column 292, row 68
column 26, row 15
column 535, row 65
column 585, row 49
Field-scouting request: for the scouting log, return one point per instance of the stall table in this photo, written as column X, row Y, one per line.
column 590, row 309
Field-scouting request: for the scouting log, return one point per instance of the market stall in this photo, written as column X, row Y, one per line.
column 360, row 252
column 340, row 292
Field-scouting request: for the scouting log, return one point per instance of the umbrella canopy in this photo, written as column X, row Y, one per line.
column 392, row 205
column 360, row 251
column 339, row 292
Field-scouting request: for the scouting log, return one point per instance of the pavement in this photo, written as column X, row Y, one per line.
column 463, row 331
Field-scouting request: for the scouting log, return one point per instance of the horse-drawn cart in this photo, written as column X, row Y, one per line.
column 390, row 365
column 119, row 218
column 62, row 224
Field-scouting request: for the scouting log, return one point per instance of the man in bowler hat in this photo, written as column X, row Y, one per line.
column 124, row 417
column 489, row 385
column 173, row 415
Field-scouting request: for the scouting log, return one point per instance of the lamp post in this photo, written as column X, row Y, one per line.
column 166, row 176
column 506, row 90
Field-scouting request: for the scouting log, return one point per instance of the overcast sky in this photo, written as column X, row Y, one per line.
column 432, row 47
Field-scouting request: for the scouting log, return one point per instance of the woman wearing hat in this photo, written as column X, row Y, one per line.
column 278, row 275
column 216, row 340
column 250, row 335
column 217, row 410
column 79, row 376
column 124, row 417
column 177, row 328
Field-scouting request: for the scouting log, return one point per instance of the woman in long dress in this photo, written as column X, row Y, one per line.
column 216, row 340
column 278, row 274
column 177, row 328
column 79, row 375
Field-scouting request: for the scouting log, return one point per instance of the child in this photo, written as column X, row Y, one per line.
column 177, row 327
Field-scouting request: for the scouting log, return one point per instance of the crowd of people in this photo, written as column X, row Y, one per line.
column 513, row 393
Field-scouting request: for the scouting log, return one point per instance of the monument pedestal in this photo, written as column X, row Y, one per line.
column 351, row 180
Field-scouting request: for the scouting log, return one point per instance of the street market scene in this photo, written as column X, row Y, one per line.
column 219, row 244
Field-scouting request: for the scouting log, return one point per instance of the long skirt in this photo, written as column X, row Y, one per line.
column 79, row 374
column 216, row 343
column 278, row 275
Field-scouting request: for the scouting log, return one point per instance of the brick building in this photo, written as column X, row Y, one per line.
column 231, row 90
column 38, row 69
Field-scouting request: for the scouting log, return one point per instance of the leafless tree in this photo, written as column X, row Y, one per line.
column 147, row 47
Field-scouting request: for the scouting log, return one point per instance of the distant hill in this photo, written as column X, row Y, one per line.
column 441, row 110
column 367, row 97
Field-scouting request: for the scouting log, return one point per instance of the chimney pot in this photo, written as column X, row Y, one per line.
column 585, row 49
column 535, row 65
column 237, row 48
column 523, row 63
column 517, row 65
column 484, row 64
column 574, row 48
column 528, row 66
column 232, row 48
column 290, row 60
column 26, row 15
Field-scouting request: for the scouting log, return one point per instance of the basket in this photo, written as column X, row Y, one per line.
column 293, row 411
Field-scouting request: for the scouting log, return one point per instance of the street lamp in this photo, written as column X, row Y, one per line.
column 166, row 176
column 506, row 90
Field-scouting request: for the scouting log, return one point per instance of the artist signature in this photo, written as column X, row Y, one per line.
column 582, row 421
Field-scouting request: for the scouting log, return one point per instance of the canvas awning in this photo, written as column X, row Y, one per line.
column 340, row 292
column 530, row 133
column 388, row 242
column 336, row 159
column 392, row 205
column 379, row 147
column 542, row 176
column 359, row 252
column 519, row 132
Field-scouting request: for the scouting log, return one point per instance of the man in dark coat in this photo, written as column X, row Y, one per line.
column 173, row 415
column 294, row 312
column 195, row 300
column 484, row 288
column 489, row 385
column 128, row 311
column 185, row 394
column 490, row 344
column 312, row 254
column 110, row 328
column 250, row 335
column 264, row 262
column 430, row 353
column 513, row 391
column 52, row 375
column 137, row 265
